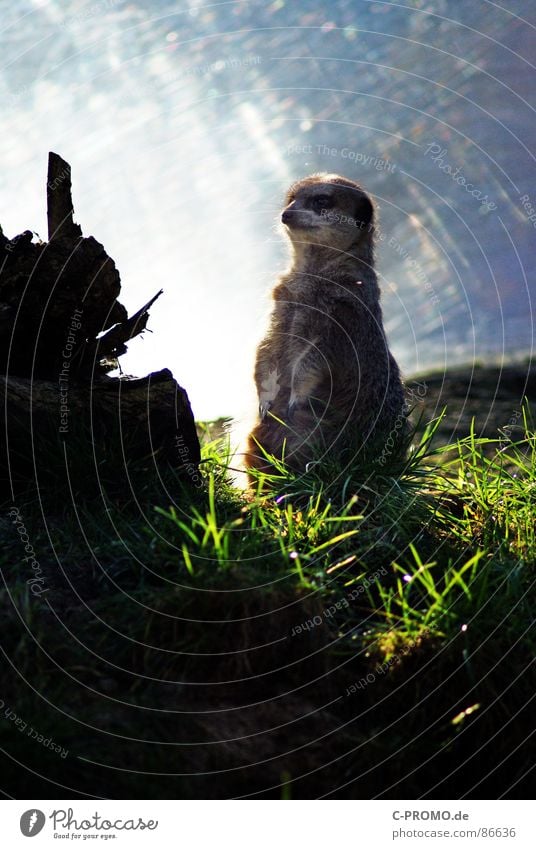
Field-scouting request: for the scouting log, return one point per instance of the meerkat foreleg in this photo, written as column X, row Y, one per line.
column 267, row 378
column 307, row 371
column 268, row 389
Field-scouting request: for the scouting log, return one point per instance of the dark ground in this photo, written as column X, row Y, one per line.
column 299, row 709
column 493, row 395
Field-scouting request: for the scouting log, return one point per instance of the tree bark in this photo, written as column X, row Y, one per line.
column 61, row 330
column 59, row 200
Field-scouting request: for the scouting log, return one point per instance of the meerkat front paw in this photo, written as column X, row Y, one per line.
column 268, row 391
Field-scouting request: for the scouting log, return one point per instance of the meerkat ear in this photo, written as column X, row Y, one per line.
column 364, row 212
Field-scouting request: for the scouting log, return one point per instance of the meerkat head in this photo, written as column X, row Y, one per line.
column 328, row 210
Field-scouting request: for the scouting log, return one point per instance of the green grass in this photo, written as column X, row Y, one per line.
column 352, row 632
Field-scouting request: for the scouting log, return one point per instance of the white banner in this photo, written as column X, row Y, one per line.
column 269, row 824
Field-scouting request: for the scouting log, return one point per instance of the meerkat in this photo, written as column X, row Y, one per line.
column 326, row 379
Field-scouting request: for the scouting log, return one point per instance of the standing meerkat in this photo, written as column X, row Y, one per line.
column 325, row 377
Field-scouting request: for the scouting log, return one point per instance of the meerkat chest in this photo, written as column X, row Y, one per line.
column 299, row 326
column 304, row 303
column 314, row 311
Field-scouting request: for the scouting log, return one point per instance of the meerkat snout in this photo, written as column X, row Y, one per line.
column 325, row 377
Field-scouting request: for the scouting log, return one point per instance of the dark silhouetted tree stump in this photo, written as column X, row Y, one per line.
column 62, row 330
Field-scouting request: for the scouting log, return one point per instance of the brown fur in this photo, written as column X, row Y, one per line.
column 324, row 373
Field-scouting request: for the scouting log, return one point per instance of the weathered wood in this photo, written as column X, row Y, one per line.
column 112, row 344
column 59, row 200
column 45, row 288
column 127, row 419
column 42, row 287
column 61, row 330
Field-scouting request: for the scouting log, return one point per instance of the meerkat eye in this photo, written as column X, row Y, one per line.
column 364, row 212
column 321, row 202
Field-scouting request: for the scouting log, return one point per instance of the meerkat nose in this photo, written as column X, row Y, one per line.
column 286, row 216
